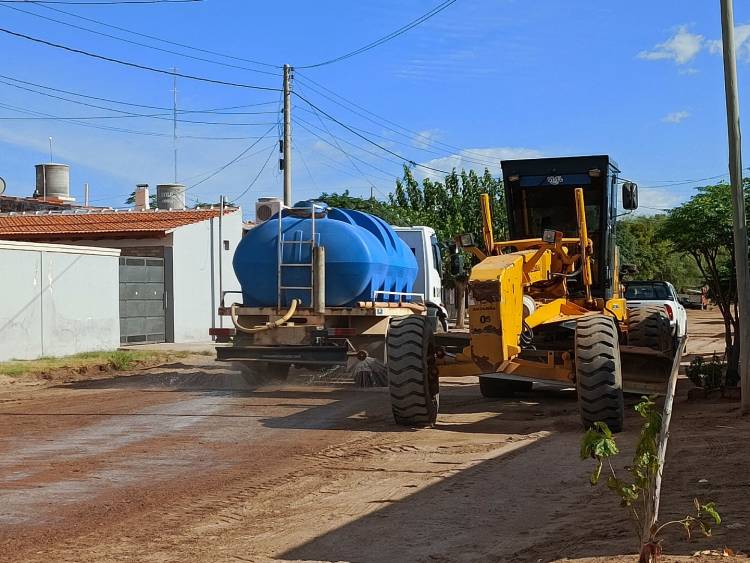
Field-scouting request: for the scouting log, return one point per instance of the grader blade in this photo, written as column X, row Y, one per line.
column 645, row 371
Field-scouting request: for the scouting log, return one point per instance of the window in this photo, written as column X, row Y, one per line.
column 647, row 292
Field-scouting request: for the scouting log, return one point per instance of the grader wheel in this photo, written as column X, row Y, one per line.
column 412, row 374
column 598, row 372
column 649, row 327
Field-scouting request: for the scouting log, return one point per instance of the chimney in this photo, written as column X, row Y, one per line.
column 141, row 197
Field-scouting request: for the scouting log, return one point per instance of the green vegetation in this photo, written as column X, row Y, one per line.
column 702, row 228
column 642, row 243
column 637, row 493
column 117, row 360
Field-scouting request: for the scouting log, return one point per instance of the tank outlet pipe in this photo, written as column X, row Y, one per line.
column 319, row 279
column 268, row 326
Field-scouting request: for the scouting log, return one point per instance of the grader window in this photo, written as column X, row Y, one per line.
column 554, row 208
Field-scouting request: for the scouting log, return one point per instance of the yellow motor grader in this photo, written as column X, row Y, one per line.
column 545, row 306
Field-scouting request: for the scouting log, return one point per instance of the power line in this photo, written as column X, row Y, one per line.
column 400, row 31
column 136, row 65
column 235, row 159
column 121, row 129
column 382, row 120
column 98, row 3
column 358, row 134
column 329, row 143
column 129, row 41
column 161, row 39
column 254, row 180
column 131, row 104
column 354, row 164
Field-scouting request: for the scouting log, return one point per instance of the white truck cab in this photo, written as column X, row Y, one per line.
column 424, row 244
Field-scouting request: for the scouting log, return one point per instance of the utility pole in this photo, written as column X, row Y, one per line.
column 221, row 261
column 738, row 200
column 174, row 119
column 287, row 144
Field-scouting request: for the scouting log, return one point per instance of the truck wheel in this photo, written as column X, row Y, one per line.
column 598, row 372
column 493, row 388
column 412, row 374
column 649, row 327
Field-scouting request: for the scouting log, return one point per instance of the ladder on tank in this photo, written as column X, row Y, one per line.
column 299, row 245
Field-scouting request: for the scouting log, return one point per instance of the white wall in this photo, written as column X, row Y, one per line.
column 57, row 300
column 196, row 298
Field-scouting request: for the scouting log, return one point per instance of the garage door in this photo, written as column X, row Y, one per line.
column 142, row 300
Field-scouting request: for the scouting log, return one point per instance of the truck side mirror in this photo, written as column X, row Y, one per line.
column 630, row 196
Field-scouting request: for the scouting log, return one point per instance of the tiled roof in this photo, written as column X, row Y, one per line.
column 98, row 224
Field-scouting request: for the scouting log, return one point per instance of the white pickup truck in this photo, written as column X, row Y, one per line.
column 650, row 293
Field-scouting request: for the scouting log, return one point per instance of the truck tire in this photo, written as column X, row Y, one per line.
column 598, row 372
column 493, row 388
column 648, row 327
column 412, row 374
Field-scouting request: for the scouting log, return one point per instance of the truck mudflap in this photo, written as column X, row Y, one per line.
column 300, row 355
column 646, row 371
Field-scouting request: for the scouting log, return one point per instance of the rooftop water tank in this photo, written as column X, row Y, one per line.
column 53, row 181
column 170, row 196
column 364, row 257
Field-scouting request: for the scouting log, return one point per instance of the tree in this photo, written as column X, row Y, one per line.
column 702, row 228
column 131, row 200
column 641, row 243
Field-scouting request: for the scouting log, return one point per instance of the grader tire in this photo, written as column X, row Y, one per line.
column 412, row 375
column 648, row 327
column 598, row 372
column 493, row 388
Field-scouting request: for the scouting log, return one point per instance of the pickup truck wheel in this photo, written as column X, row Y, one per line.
column 598, row 372
column 412, row 374
column 649, row 327
column 493, row 388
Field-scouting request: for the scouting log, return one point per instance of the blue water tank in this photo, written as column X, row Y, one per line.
column 363, row 256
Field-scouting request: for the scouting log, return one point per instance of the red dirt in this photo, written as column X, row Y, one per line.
column 191, row 462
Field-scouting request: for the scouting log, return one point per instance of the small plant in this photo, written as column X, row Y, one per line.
column 707, row 375
column 120, row 360
column 637, row 494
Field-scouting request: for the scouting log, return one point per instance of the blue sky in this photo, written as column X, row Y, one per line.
column 482, row 80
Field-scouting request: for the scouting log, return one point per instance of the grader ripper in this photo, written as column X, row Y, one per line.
column 546, row 310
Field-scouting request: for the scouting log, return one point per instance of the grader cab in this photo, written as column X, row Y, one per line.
column 545, row 306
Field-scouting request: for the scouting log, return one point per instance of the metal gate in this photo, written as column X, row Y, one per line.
column 142, row 300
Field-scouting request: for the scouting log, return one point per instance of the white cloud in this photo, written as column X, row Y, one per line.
column 689, row 71
column 477, row 159
column 656, row 200
column 425, row 139
column 741, row 43
column 676, row 117
column 682, row 47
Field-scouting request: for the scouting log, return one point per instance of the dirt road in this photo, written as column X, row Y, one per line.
column 189, row 462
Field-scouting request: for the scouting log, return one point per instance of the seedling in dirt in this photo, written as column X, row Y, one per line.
column 637, row 493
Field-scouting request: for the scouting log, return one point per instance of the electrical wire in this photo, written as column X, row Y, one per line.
column 124, row 103
column 136, row 65
column 358, row 134
column 121, row 129
column 254, row 180
column 131, row 42
column 159, row 39
column 411, row 133
column 354, row 164
column 392, row 35
column 329, row 143
column 98, row 3
column 235, row 159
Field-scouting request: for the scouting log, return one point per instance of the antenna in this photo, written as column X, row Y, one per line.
column 174, row 119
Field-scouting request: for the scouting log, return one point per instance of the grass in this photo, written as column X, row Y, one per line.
column 118, row 360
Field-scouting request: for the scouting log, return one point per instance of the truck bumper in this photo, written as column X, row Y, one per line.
column 300, row 355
